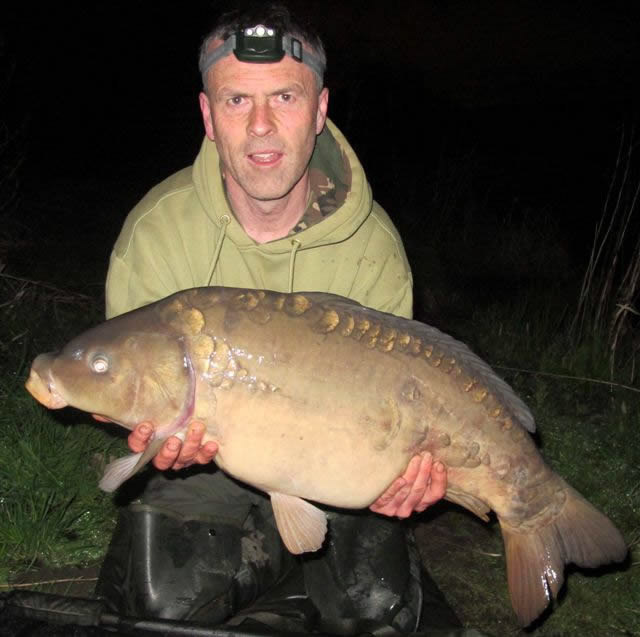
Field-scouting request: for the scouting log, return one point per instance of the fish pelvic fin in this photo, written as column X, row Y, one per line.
column 302, row 526
column 118, row 471
column 580, row 534
column 468, row 501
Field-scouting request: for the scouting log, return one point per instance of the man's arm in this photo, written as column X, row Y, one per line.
column 387, row 287
column 422, row 484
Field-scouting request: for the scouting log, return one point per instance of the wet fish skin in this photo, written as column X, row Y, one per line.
column 306, row 393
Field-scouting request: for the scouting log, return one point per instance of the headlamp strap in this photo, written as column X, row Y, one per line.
column 263, row 45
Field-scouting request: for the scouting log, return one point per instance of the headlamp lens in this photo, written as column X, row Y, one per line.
column 258, row 44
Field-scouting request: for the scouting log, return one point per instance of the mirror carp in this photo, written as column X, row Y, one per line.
column 314, row 397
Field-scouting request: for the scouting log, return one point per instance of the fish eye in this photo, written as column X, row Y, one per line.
column 100, row 364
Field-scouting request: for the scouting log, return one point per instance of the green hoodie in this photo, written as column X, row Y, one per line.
column 183, row 235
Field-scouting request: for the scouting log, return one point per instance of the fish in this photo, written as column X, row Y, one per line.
column 316, row 399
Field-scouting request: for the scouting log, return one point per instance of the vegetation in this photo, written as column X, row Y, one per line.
column 51, row 512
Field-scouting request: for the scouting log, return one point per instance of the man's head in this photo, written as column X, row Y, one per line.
column 235, row 28
column 263, row 116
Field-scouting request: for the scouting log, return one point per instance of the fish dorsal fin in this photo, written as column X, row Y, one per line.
column 302, row 526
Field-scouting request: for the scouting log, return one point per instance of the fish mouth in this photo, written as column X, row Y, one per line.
column 43, row 391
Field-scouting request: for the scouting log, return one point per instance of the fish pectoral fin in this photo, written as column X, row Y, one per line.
column 468, row 501
column 302, row 526
column 118, row 471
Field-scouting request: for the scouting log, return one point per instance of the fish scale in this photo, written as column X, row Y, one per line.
column 441, row 350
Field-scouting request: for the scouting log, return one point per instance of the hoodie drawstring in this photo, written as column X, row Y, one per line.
column 295, row 246
column 225, row 221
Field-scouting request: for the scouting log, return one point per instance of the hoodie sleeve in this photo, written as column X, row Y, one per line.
column 161, row 240
column 147, row 262
column 127, row 290
column 384, row 279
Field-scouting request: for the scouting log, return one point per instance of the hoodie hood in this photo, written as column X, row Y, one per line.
column 183, row 235
column 332, row 156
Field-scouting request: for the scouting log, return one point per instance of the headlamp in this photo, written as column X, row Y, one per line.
column 262, row 45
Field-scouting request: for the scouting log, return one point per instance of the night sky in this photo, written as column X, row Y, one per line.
column 102, row 99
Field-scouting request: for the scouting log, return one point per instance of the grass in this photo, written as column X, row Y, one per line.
column 51, row 512
column 49, row 504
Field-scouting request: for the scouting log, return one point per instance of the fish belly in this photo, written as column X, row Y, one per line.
column 318, row 453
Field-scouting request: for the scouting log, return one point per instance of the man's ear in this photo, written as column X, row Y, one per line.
column 323, row 107
column 207, row 120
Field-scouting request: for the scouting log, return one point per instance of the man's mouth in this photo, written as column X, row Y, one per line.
column 266, row 158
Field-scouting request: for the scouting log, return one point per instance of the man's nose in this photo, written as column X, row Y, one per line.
column 261, row 120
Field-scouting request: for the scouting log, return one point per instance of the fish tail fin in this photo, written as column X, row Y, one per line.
column 118, row 471
column 579, row 534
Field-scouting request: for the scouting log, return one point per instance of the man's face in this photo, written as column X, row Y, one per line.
column 264, row 119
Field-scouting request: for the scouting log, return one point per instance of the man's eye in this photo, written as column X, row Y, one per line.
column 286, row 97
column 236, row 100
column 100, row 364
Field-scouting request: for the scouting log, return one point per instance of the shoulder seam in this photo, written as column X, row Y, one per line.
column 150, row 210
column 379, row 222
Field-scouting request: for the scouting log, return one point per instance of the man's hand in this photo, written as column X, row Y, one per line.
column 174, row 453
column 421, row 485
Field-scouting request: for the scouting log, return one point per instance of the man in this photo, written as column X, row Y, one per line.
column 276, row 199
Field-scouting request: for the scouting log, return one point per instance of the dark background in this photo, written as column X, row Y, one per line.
column 522, row 102
column 488, row 129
